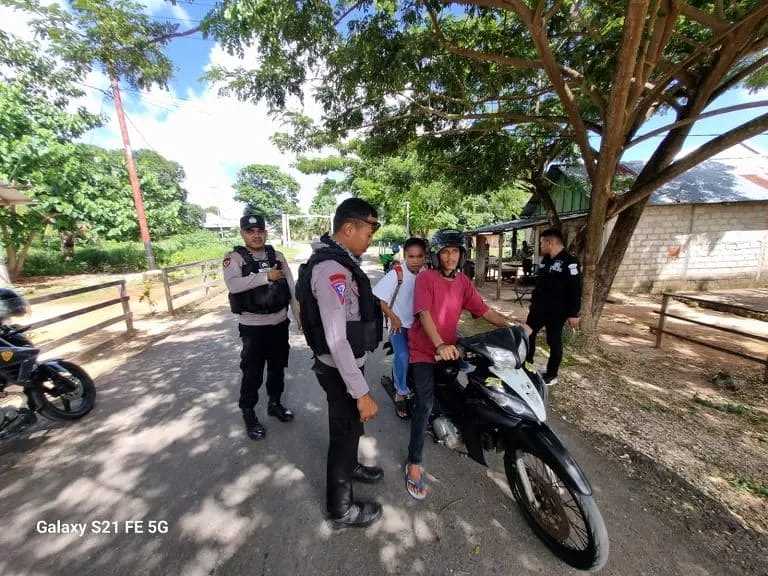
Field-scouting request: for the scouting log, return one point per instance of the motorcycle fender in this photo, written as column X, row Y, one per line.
column 49, row 368
column 542, row 440
column 481, row 416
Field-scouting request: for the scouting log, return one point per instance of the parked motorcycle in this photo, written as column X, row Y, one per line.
column 496, row 404
column 57, row 389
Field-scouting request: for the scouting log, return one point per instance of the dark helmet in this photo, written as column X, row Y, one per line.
column 12, row 304
column 447, row 238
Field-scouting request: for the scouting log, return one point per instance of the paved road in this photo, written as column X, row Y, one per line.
column 165, row 443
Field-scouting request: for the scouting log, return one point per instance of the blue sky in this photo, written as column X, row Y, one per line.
column 212, row 136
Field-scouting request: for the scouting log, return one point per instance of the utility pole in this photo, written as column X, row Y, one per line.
column 132, row 176
column 408, row 219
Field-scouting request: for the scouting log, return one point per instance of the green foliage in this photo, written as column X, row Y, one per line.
column 118, row 257
column 757, row 488
column 391, row 233
column 117, row 36
column 266, row 190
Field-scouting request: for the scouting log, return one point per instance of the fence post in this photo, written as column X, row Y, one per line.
column 126, row 306
column 662, row 319
column 167, row 286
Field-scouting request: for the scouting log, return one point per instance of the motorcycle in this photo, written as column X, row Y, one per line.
column 490, row 402
column 57, row 389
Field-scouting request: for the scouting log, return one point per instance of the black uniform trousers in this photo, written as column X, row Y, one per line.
column 263, row 345
column 345, row 429
column 554, row 329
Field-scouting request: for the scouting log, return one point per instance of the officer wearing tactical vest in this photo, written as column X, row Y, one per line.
column 260, row 291
column 342, row 321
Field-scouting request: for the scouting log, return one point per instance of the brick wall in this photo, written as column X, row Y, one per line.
column 697, row 246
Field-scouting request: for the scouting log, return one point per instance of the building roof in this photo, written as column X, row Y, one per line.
column 215, row 221
column 10, row 195
column 739, row 174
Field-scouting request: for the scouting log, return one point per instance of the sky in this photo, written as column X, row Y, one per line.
column 213, row 136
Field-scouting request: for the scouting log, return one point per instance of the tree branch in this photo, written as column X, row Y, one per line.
column 508, row 118
column 519, row 63
column 668, row 127
column 615, row 125
column 348, row 11
column 701, row 154
column 662, row 84
column 739, row 76
column 165, row 37
column 702, row 17
column 554, row 72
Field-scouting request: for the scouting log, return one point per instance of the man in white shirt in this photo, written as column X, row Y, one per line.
column 395, row 291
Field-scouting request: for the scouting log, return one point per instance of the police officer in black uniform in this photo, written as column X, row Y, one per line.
column 260, row 291
column 556, row 299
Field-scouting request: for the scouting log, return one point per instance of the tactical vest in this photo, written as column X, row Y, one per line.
column 272, row 297
column 363, row 335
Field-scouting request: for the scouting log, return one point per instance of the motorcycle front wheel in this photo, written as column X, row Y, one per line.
column 568, row 522
column 57, row 404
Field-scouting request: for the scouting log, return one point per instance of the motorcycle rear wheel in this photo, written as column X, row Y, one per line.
column 569, row 523
column 66, row 406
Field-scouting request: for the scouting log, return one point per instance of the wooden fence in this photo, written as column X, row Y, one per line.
column 208, row 271
column 122, row 298
column 664, row 314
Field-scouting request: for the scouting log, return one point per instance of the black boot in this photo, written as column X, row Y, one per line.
column 359, row 515
column 276, row 409
column 253, row 427
column 367, row 474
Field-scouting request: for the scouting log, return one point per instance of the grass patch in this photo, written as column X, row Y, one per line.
column 112, row 257
column 732, row 408
column 727, row 407
column 758, row 489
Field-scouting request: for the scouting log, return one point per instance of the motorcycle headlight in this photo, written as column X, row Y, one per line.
column 522, row 351
column 511, row 403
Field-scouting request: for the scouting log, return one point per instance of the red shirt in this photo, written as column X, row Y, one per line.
column 444, row 299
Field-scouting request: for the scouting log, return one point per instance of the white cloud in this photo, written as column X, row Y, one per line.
column 210, row 136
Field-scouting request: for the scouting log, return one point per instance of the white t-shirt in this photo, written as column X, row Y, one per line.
column 385, row 288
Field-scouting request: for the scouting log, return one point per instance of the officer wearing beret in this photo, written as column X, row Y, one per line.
column 261, row 289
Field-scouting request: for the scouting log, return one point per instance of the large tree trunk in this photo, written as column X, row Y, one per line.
column 67, row 240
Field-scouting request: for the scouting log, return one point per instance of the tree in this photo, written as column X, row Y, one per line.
column 36, row 150
column 391, row 181
column 120, row 38
column 593, row 71
column 267, row 190
column 324, row 201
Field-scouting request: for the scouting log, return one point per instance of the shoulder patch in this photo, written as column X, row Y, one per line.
column 574, row 269
column 227, row 261
column 339, row 284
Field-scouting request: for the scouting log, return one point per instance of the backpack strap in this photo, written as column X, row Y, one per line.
column 399, row 272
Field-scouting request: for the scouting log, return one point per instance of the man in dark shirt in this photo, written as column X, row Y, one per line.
column 555, row 300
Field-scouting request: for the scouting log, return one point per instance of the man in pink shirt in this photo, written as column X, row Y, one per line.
column 440, row 296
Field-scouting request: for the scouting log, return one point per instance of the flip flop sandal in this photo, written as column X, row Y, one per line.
column 401, row 408
column 416, row 488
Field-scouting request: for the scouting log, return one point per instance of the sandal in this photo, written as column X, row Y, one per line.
column 416, row 488
column 401, row 407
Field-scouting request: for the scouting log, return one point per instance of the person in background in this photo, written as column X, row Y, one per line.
column 556, row 299
column 395, row 291
column 527, row 258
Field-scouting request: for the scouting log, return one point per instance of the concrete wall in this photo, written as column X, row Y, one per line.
column 697, row 247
